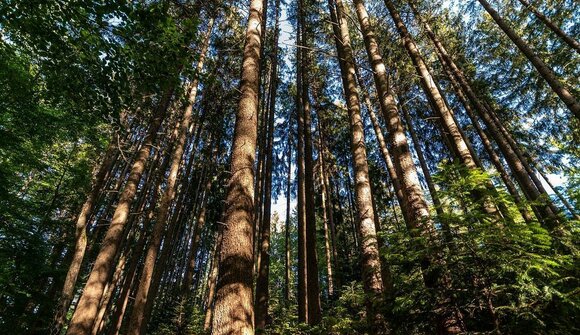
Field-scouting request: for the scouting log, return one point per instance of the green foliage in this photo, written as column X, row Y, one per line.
column 506, row 269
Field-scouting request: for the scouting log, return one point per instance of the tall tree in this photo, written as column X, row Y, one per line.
column 372, row 278
column 86, row 311
column 234, row 310
column 544, row 70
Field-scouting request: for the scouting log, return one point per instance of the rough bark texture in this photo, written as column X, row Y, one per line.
column 371, row 265
column 81, row 239
column 509, row 150
column 234, row 310
column 87, row 307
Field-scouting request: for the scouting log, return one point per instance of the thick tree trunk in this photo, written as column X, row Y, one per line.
column 383, row 145
column 234, row 312
column 566, row 96
column 87, row 307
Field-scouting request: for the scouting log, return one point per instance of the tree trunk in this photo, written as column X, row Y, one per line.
column 313, row 291
column 287, row 253
column 509, row 150
column 302, row 290
column 81, row 239
column 87, row 307
column 137, row 322
column 325, row 220
column 545, row 72
column 458, row 144
column 552, row 26
column 212, row 283
column 262, row 281
column 371, row 265
column 234, row 312
column 386, row 155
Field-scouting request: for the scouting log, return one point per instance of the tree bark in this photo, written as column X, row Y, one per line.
column 313, row 291
column 137, row 322
column 371, row 265
column 458, row 144
column 81, row 239
column 496, row 130
column 234, row 312
column 262, row 281
column 302, row 290
column 552, row 26
column 287, row 253
column 212, row 284
column 87, row 307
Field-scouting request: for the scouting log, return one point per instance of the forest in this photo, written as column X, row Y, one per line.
column 190, row 167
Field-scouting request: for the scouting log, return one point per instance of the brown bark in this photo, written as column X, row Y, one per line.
column 234, row 312
column 195, row 240
column 87, row 307
column 313, row 291
column 137, row 322
column 122, row 301
column 458, row 144
column 287, row 261
column 262, row 281
column 302, row 291
column 552, row 26
column 386, row 155
column 212, row 283
column 325, row 221
column 371, row 265
column 494, row 127
column 545, row 72
column 81, row 239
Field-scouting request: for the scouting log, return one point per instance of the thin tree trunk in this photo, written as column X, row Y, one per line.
column 545, row 72
column 262, row 281
column 137, row 322
column 87, row 307
column 458, row 144
column 195, row 240
column 509, row 150
column 302, row 291
column 287, row 260
column 325, row 221
column 234, row 312
column 552, row 26
column 313, row 291
column 212, row 283
column 81, row 239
